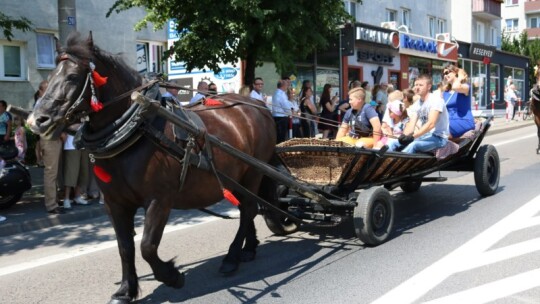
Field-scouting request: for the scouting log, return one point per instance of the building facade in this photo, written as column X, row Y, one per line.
column 30, row 57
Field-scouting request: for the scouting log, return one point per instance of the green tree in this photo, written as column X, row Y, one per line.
column 282, row 31
column 8, row 24
column 524, row 46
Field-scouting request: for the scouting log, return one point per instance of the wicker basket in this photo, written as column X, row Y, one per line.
column 310, row 160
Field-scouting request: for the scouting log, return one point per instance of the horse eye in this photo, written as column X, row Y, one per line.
column 73, row 78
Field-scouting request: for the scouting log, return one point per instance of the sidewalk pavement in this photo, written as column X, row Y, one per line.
column 29, row 214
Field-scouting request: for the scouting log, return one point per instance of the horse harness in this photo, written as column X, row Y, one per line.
column 137, row 122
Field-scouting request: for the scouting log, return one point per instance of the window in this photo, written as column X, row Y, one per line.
column 441, row 26
column 533, row 22
column 511, row 2
column 150, row 57
column 406, row 18
column 493, row 35
column 45, row 50
column 480, row 32
column 512, row 25
column 391, row 15
column 350, row 7
column 432, row 30
column 12, row 63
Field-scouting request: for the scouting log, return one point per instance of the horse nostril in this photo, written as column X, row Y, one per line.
column 42, row 120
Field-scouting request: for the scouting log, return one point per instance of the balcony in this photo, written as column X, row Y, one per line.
column 532, row 7
column 487, row 9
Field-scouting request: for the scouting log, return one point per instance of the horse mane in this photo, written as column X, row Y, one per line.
column 86, row 50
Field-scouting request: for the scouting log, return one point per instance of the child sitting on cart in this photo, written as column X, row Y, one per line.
column 359, row 122
column 394, row 119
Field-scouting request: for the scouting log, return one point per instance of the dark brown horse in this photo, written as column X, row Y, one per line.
column 143, row 175
column 535, row 109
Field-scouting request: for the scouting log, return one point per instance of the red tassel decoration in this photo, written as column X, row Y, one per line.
column 95, row 104
column 98, row 79
column 212, row 102
column 103, row 175
column 230, row 197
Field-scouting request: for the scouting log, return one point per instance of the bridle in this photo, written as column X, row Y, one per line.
column 72, row 114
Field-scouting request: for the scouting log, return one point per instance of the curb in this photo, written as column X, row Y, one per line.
column 72, row 216
column 494, row 130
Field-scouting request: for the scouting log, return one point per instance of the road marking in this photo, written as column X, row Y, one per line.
column 473, row 254
column 514, row 140
column 195, row 221
column 495, row 290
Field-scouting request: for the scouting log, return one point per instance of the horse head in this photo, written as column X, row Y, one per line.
column 76, row 89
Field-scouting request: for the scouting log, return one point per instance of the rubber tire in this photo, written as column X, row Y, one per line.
column 487, row 170
column 9, row 200
column 278, row 223
column 374, row 216
column 411, row 186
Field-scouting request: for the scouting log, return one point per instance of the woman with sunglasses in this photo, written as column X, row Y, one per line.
column 458, row 101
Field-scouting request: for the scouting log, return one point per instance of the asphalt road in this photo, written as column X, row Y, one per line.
column 449, row 246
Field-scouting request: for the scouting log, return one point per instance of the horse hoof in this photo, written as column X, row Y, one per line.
column 179, row 283
column 123, row 300
column 247, row 256
column 228, row 268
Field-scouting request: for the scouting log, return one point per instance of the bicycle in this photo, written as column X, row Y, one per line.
column 527, row 111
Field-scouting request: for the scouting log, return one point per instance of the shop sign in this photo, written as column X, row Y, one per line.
column 374, row 57
column 428, row 47
column 481, row 52
column 418, row 44
column 378, row 36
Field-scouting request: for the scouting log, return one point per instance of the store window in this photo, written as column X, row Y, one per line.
column 478, row 83
column 150, row 57
column 517, row 78
column 493, row 82
column 12, row 61
column 46, row 49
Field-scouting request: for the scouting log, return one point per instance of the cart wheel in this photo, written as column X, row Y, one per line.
column 277, row 222
column 487, row 170
column 411, row 186
column 374, row 216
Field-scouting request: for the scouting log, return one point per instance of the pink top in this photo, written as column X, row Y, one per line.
column 20, row 142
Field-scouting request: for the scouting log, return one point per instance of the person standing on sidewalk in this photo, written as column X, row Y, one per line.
column 75, row 172
column 51, row 150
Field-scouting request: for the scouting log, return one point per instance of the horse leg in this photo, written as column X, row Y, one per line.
column 154, row 223
column 538, row 134
column 249, row 251
column 123, row 223
column 233, row 258
column 246, row 230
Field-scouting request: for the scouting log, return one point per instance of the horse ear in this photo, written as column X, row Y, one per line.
column 90, row 40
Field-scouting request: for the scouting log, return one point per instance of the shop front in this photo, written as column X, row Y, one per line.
column 424, row 55
column 490, row 71
column 375, row 58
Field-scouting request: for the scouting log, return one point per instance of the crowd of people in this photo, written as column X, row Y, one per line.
column 413, row 120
